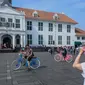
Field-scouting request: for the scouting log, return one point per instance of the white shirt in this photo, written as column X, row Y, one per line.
column 83, row 73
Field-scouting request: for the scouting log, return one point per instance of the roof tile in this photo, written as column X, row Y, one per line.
column 79, row 32
column 43, row 15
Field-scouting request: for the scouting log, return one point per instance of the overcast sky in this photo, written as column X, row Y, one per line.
column 72, row 8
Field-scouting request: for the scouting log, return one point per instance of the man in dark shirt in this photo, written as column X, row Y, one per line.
column 64, row 52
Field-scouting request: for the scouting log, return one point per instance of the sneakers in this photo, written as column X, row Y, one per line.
column 24, row 64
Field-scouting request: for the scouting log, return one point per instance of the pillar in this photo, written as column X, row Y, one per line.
column 0, row 40
column 23, row 40
column 13, row 36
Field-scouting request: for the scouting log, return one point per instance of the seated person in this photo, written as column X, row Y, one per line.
column 28, row 53
column 64, row 53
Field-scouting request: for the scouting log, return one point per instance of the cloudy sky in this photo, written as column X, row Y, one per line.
column 72, row 8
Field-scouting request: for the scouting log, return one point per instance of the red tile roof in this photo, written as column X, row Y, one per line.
column 79, row 32
column 43, row 15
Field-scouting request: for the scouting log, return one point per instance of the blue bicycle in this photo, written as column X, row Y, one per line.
column 34, row 63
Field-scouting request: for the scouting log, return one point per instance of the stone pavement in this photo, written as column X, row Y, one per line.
column 49, row 73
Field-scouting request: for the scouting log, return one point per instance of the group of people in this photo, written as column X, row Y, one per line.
column 76, row 64
column 6, row 45
column 28, row 54
column 63, row 50
column 70, row 49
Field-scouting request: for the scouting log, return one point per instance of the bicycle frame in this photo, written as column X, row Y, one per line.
column 27, row 63
column 62, row 57
column 20, row 60
column 67, row 57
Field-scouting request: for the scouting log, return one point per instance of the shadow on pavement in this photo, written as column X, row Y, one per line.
column 41, row 67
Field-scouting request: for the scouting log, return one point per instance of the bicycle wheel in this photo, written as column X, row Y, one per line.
column 15, row 65
column 70, row 58
column 57, row 58
column 35, row 63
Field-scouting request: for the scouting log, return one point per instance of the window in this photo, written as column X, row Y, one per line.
column 40, row 39
column 78, row 38
column 40, row 26
column 50, row 27
column 59, row 40
column 59, row 27
column 35, row 14
column 50, row 39
column 17, row 39
column 55, row 17
column 29, row 25
column 29, row 39
column 83, row 38
column 2, row 19
column 10, row 22
column 2, row 22
column 17, row 23
column 68, row 28
column 68, row 40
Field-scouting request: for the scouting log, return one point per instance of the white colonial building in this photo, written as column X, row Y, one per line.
column 80, row 36
column 22, row 26
column 12, row 25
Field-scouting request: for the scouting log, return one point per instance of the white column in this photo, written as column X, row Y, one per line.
column 0, row 40
column 24, row 41
column 55, row 35
column 13, row 41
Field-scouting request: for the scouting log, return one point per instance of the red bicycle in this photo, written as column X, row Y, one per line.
column 59, row 57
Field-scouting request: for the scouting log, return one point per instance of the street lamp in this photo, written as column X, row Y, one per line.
column 55, row 34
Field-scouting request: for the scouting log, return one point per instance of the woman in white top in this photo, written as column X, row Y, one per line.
column 78, row 65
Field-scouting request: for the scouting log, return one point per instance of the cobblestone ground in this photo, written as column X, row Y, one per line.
column 49, row 73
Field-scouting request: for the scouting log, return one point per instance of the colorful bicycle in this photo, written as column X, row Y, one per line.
column 33, row 64
column 60, row 57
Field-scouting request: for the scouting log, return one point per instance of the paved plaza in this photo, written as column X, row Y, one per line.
column 49, row 73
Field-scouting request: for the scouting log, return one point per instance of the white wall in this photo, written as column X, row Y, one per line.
column 80, row 40
column 55, row 32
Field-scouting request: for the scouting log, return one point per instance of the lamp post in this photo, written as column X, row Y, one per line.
column 55, row 34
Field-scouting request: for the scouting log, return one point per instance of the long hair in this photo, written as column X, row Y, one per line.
column 26, row 46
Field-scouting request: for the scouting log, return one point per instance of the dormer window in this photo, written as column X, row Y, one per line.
column 55, row 17
column 6, row 4
column 35, row 14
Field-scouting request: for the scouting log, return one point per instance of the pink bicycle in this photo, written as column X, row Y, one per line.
column 60, row 57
